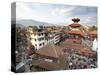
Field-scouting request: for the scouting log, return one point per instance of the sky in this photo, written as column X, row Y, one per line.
column 56, row 13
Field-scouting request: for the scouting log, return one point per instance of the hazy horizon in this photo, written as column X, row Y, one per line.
column 56, row 13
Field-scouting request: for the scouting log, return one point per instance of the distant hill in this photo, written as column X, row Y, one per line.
column 20, row 25
column 30, row 22
column 17, row 24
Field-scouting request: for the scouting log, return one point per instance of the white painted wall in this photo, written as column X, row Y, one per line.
column 95, row 45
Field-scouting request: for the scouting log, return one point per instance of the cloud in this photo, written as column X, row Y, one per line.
column 56, row 13
column 23, row 11
column 84, row 10
column 64, row 11
column 92, row 20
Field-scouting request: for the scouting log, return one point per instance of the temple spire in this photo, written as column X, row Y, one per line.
column 75, row 20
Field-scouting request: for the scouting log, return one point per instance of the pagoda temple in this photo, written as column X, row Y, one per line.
column 76, row 31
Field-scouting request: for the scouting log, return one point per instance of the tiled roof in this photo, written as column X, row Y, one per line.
column 52, row 65
column 76, row 32
column 46, row 65
column 75, row 25
column 50, row 51
column 78, row 48
column 74, row 40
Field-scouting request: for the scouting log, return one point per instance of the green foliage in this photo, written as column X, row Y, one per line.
column 92, row 28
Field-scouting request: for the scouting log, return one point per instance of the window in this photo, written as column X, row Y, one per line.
column 39, row 34
column 35, row 39
column 42, row 38
column 30, row 38
column 43, row 43
column 77, row 37
column 39, row 39
column 35, row 44
column 42, row 33
column 40, row 44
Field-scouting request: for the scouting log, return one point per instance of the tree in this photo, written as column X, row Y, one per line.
column 92, row 28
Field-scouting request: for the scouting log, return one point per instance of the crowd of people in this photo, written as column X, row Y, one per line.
column 80, row 62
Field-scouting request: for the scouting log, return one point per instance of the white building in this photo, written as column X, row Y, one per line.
column 56, row 37
column 95, row 45
column 50, row 39
column 39, row 39
column 53, row 37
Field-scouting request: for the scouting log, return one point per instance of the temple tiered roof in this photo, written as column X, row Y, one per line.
column 75, row 24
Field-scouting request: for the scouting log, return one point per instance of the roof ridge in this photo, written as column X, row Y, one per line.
column 55, row 50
